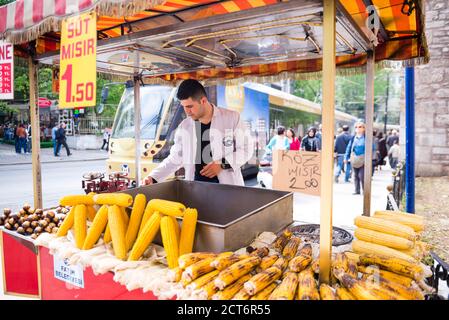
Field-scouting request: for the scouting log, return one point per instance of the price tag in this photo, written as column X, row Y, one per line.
column 77, row 77
column 6, row 70
column 297, row 171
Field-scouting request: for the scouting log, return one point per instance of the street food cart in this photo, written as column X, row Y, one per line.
column 232, row 41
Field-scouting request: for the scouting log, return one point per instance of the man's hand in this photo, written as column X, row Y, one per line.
column 147, row 181
column 211, row 170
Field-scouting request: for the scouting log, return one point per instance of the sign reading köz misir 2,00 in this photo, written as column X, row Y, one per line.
column 77, row 76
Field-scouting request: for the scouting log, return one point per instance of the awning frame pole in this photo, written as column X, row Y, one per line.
column 410, row 139
column 369, row 116
column 137, row 118
column 35, row 132
column 327, row 152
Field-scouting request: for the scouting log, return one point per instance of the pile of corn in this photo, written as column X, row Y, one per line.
column 391, row 234
column 130, row 235
column 287, row 271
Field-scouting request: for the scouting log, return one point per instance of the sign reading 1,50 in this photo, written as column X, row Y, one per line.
column 84, row 91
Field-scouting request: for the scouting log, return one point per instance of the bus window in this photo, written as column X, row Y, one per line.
column 152, row 99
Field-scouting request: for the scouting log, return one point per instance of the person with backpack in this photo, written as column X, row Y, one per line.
column 60, row 137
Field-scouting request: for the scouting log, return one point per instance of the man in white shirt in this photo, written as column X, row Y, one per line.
column 211, row 143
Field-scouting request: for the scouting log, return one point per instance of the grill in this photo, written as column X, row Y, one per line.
column 311, row 233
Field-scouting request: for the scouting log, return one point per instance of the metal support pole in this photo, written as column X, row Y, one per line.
column 410, row 139
column 369, row 115
column 327, row 153
column 35, row 133
column 137, row 118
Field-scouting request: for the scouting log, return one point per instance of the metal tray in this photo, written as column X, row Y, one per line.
column 229, row 217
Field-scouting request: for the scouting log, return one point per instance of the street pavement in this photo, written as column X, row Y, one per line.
column 63, row 176
column 8, row 156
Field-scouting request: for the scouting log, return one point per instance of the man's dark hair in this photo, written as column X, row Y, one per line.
column 281, row 130
column 345, row 128
column 191, row 89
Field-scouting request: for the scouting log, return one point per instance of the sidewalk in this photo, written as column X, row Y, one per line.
column 346, row 205
column 8, row 155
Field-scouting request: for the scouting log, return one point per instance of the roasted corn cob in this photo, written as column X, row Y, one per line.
column 260, row 252
column 280, row 242
column 394, row 277
column 230, row 291
column 224, row 261
column 174, row 275
column 299, row 263
column 396, row 265
column 203, row 280
column 307, row 289
column 262, row 280
column 286, row 290
column 265, row 293
column 198, row 269
column 241, row 295
column 190, row 258
column 343, row 293
column 267, row 262
column 235, row 271
column 327, row 293
column 281, row 263
column 291, row 247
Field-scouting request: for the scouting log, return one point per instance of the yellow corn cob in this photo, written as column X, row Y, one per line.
column 267, row 262
column 326, row 292
column 117, row 229
column 171, row 246
column 281, row 263
column 174, row 275
column 119, row 199
column 188, row 231
column 385, row 226
column 383, row 239
column 204, row 279
column 299, row 263
column 79, row 225
column 417, row 224
column 190, row 258
column 261, row 280
column 388, row 275
column 177, row 230
column 361, row 247
column 198, row 269
column 91, row 212
column 286, row 289
column 209, row 289
column 406, row 215
column 166, row 207
column 260, row 252
column 414, row 253
column 237, row 270
column 145, row 237
column 125, row 219
column 265, row 293
column 67, row 224
column 291, row 247
column 107, row 234
column 280, row 242
column 307, row 289
column 73, row 200
column 396, row 265
column 241, row 295
column 98, row 225
column 146, row 215
column 343, row 293
column 136, row 218
column 230, row 291
column 225, row 260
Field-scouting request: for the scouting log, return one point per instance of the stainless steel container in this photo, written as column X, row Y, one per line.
column 229, row 217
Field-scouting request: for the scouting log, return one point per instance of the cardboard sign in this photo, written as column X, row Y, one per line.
column 55, row 80
column 6, row 70
column 72, row 274
column 297, row 171
column 78, row 74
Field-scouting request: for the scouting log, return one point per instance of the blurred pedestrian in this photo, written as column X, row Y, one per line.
column 341, row 143
column 295, row 143
column 53, row 139
column 394, row 152
column 22, row 138
column 278, row 142
column 106, row 135
column 382, row 150
column 310, row 142
column 61, row 138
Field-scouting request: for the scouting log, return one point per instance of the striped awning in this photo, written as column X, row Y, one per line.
column 400, row 36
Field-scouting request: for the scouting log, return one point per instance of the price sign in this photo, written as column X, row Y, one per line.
column 77, row 77
column 297, row 171
column 6, row 70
